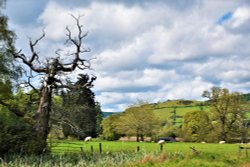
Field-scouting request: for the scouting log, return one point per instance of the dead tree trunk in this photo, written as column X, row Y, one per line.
column 51, row 71
column 42, row 117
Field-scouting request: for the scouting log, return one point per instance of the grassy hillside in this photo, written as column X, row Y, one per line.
column 166, row 110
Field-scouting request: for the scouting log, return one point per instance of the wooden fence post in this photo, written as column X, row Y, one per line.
column 138, row 148
column 92, row 149
column 100, row 147
column 161, row 147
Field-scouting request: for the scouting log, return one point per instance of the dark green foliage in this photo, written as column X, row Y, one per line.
column 16, row 136
column 185, row 102
column 81, row 113
column 7, row 68
column 246, row 96
column 99, row 117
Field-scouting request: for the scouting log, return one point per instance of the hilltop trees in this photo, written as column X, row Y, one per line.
column 228, row 112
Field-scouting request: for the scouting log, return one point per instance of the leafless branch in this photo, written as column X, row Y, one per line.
column 30, row 61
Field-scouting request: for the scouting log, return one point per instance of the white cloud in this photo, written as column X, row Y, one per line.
column 153, row 50
column 240, row 21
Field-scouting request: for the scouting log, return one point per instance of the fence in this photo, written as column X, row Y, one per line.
column 68, row 146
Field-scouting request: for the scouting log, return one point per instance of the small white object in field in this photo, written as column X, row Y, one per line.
column 161, row 141
column 203, row 142
column 222, row 142
column 88, row 138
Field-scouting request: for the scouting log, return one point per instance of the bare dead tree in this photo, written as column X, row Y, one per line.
column 51, row 72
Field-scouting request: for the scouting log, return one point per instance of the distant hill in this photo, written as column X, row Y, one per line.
column 176, row 109
column 106, row 114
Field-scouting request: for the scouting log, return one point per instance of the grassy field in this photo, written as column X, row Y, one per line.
column 165, row 110
column 69, row 153
column 65, row 146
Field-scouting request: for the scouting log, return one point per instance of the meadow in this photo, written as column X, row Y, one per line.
column 116, row 153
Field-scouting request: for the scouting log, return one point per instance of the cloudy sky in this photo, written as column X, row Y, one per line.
column 150, row 50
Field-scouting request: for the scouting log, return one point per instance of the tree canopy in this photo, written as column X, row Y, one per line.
column 228, row 112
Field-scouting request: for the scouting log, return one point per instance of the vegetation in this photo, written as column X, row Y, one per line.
column 126, row 154
column 196, row 127
column 30, row 120
column 188, row 120
column 76, row 112
column 137, row 121
column 228, row 113
column 109, row 128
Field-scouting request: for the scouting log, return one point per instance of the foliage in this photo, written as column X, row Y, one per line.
column 168, row 131
column 125, row 154
column 16, row 136
column 7, row 37
column 80, row 115
column 138, row 121
column 196, row 126
column 108, row 125
column 228, row 113
column 246, row 96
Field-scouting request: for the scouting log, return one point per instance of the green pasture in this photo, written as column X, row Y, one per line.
column 65, row 146
column 165, row 113
column 125, row 154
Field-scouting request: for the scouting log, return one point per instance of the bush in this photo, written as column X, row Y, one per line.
column 16, row 136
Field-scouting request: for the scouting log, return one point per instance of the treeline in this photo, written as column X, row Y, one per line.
column 226, row 120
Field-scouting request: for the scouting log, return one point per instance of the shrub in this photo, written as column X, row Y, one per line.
column 16, row 136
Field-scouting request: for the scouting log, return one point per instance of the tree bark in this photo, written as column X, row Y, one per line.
column 42, row 118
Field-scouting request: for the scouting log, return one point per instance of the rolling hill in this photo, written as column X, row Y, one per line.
column 176, row 109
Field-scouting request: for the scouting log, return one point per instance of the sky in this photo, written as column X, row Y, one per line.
column 146, row 50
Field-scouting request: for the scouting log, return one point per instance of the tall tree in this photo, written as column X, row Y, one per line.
column 81, row 110
column 138, row 121
column 109, row 127
column 228, row 112
column 196, row 126
column 7, row 39
column 51, row 71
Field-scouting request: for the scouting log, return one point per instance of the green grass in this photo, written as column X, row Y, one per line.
column 117, row 146
column 164, row 110
column 166, row 113
column 126, row 154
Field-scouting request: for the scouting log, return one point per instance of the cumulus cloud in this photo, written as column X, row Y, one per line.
column 239, row 21
column 156, row 50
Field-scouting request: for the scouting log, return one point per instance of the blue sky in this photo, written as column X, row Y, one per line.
column 147, row 50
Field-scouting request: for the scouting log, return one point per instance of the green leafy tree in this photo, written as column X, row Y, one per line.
column 228, row 112
column 196, row 126
column 79, row 111
column 99, row 117
column 139, row 121
column 16, row 134
column 108, row 125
